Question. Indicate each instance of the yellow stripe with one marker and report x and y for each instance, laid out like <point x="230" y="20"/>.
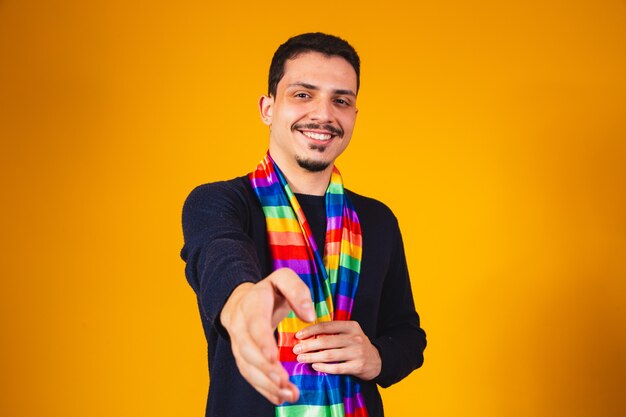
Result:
<point x="283" y="225"/>
<point x="332" y="261"/>
<point x="353" y="250"/>
<point x="293" y="324"/>
<point x="331" y="307"/>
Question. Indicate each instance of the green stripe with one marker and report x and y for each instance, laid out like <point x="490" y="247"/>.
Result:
<point x="321" y="309"/>
<point x="350" y="262"/>
<point x="279" y="212"/>
<point x="335" y="410"/>
<point x="335" y="188"/>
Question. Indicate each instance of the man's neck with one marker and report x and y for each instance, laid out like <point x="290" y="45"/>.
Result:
<point x="306" y="182"/>
<point x="303" y="181"/>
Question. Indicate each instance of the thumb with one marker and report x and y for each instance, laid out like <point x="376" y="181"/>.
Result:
<point x="296" y="293"/>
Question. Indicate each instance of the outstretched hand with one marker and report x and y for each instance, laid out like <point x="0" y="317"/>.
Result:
<point x="340" y="347"/>
<point x="250" y="316"/>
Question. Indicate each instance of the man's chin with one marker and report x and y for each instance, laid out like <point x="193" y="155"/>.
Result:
<point x="312" y="165"/>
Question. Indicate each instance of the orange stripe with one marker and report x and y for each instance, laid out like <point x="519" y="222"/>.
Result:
<point x="286" y="238"/>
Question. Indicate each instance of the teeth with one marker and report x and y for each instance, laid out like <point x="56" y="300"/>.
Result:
<point x="318" y="136"/>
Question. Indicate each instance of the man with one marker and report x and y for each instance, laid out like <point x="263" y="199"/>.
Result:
<point x="288" y="236"/>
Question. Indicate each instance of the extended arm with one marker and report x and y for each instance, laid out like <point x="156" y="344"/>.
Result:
<point x="243" y="307"/>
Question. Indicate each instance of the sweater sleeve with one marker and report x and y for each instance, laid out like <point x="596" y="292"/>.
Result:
<point x="220" y="255"/>
<point x="400" y="339"/>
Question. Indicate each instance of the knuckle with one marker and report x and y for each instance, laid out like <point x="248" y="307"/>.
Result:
<point x="326" y="325"/>
<point x="243" y="371"/>
<point x="341" y="368"/>
<point x="272" y="397"/>
<point x="245" y="351"/>
<point x="359" y="368"/>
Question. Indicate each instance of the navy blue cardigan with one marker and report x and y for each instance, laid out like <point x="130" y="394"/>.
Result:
<point x="226" y="245"/>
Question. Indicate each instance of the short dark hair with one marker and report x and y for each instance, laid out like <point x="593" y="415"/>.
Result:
<point x="323" y="43"/>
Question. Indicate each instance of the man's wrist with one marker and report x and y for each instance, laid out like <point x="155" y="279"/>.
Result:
<point x="231" y="303"/>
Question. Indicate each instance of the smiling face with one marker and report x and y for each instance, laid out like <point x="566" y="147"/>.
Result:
<point x="313" y="114"/>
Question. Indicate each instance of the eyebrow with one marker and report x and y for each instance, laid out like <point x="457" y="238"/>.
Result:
<point x="314" y="87"/>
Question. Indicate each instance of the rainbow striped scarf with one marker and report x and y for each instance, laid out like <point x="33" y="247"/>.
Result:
<point x="333" y="281"/>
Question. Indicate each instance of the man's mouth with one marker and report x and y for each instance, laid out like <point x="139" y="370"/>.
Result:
<point x="317" y="136"/>
<point x="317" y="132"/>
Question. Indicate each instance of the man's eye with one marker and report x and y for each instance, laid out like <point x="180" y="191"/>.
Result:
<point x="342" y="102"/>
<point x="302" y="95"/>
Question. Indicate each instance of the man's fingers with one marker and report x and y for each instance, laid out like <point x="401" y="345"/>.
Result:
<point x="327" y="328"/>
<point x="325" y="356"/>
<point x="249" y="317"/>
<point x="262" y="335"/>
<point x="269" y="384"/>
<point x="267" y="377"/>
<point x="253" y="354"/>
<point x="333" y="368"/>
<point x="295" y="291"/>
<point x="322" y="343"/>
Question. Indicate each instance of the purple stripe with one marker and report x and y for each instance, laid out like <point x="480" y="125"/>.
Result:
<point x="297" y="368"/>
<point x="333" y="223"/>
<point x="312" y="242"/>
<point x="260" y="182"/>
<point x="299" y="266"/>
<point x="352" y="215"/>
<point x="359" y="400"/>
<point x="348" y="405"/>
<point x="343" y="303"/>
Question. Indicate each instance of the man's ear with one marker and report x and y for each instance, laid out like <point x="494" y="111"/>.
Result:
<point x="266" y="104"/>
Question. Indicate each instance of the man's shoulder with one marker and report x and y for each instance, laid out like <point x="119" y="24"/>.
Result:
<point x="370" y="207"/>
<point x="234" y="185"/>
<point x="236" y="188"/>
<point x="222" y="198"/>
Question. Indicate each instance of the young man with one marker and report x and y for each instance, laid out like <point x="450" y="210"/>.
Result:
<point x="287" y="246"/>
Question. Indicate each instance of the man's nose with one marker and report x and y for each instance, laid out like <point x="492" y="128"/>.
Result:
<point x="322" y="111"/>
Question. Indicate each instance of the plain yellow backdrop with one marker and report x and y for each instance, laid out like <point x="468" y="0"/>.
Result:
<point x="496" y="131"/>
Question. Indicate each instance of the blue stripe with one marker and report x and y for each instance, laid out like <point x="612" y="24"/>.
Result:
<point x="313" y="382"/>
<point x="317" y="397"/>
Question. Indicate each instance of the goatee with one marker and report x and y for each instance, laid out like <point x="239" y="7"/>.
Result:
<point x="312" y="166"/>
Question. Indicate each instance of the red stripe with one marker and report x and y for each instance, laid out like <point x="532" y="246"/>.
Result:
<point x="355" y="237"/>
<point x="285" y="354"/>
<point x="341" y="315"/>
<point x="333" y="235"/>
<point x="359" y="412"/>
<point x="290" y="252"/>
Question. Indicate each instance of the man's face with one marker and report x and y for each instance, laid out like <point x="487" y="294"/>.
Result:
<point x="313" y="114"/>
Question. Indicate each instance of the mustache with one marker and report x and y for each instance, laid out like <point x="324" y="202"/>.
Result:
<point x="314" y="126"/>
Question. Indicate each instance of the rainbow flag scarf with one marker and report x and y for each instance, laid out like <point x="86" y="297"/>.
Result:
<point x="333" y="281"/>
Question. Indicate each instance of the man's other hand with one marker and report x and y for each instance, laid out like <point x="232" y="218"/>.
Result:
<point x="340" y="347"/>
<point x="250" y="316"/>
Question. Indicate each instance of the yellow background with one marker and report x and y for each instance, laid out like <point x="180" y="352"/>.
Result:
<point x="495" y="130"/>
